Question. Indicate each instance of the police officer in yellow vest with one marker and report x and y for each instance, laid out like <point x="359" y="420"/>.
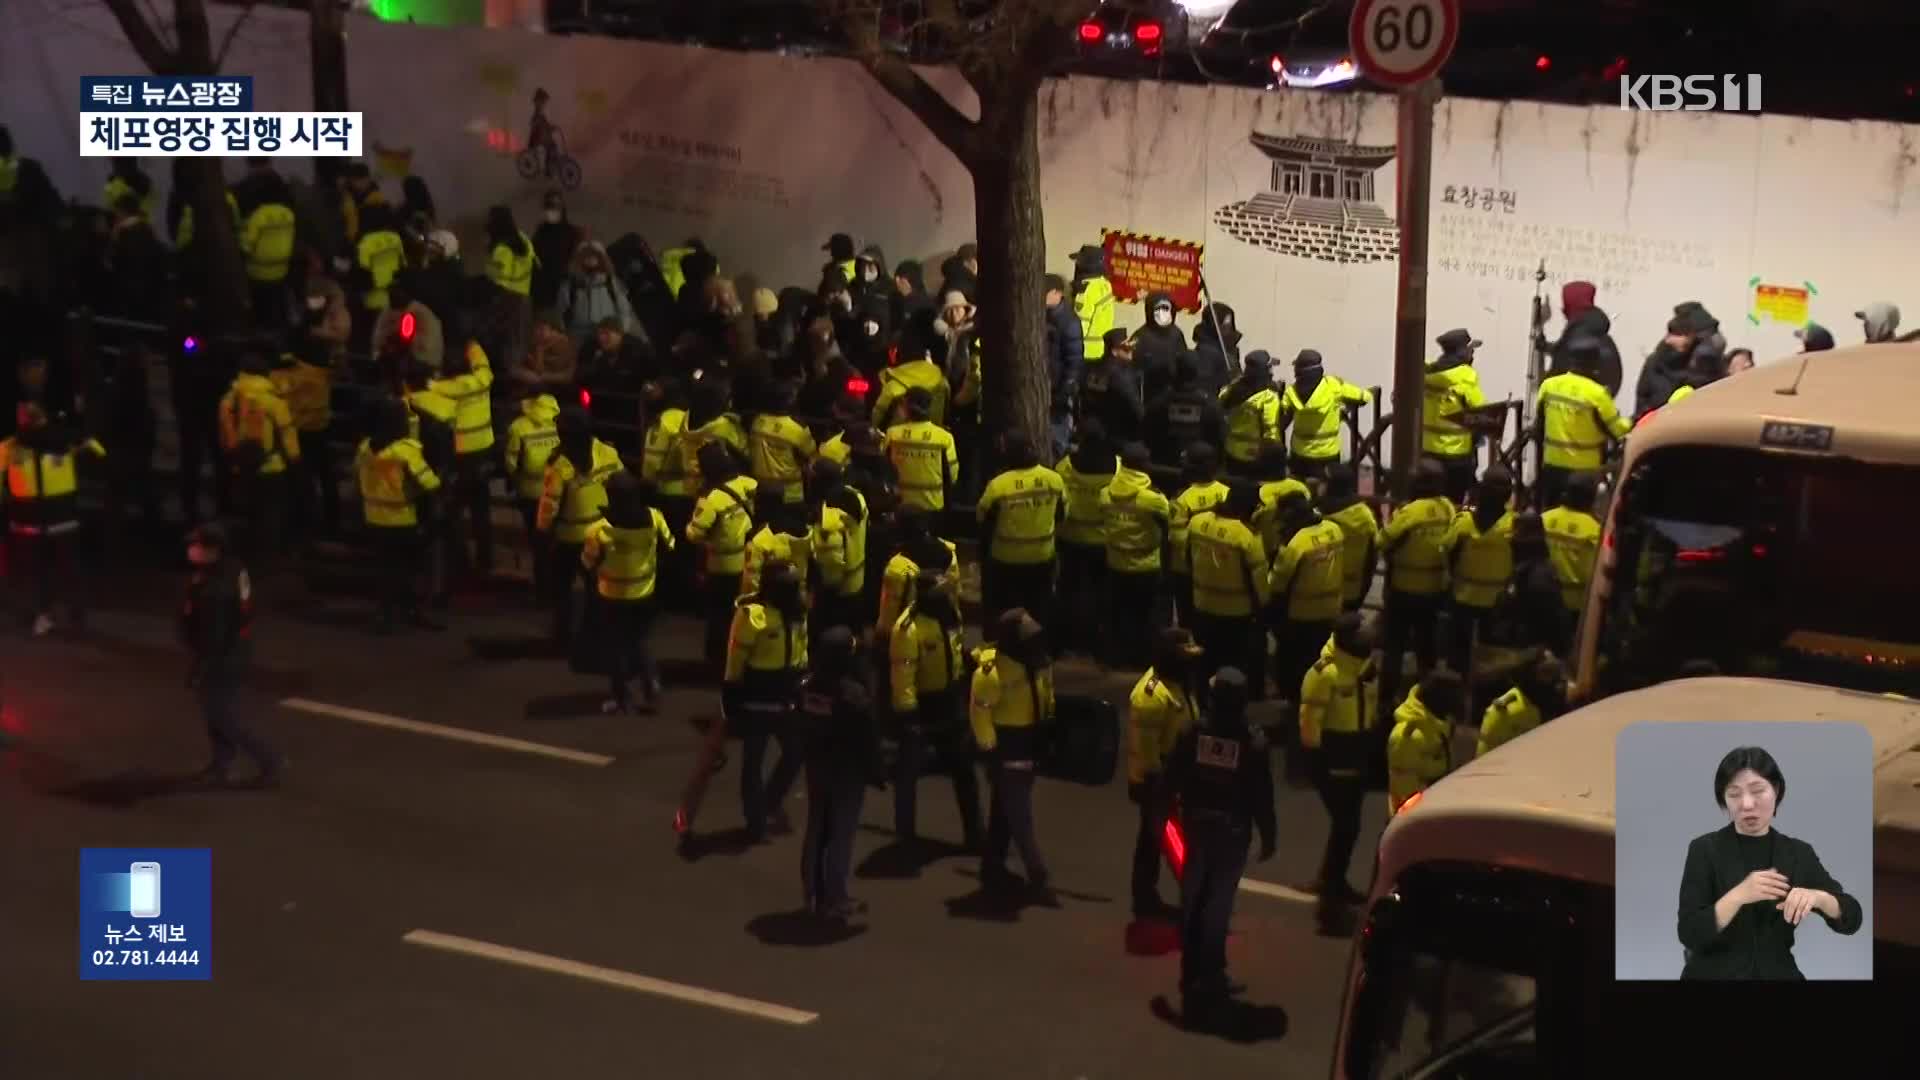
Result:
<point x="919" y="549"/>
<point x="721" y="524"/>
<point x="1019" y="513"/>
<point x="1093" y="301"/>
<point x="1539" y="694"/>
<point x="661" y="465"/>
<point x="1200" y="468"/>
<point x="781" y="533"/>
<point x="1452" y="386"/>
<point x="267" y="236"/>
<point x="573" y="496"/>
<point x="1573" y="538"/>
<point x="1480" y="562"/>
<point x="1315" y="406"/>
<point x="1307" y="580"/>
<point x="1010" y="705"/>
<point x="393" y="478"/>
<point x="1231" y="585"/>
<point x="41" y="504"/>
<point x="1276" y="487"/>
<point x="839" y="526"/>
<point x="915" y="371"/>
<point x="1087" y="471"/>
<point x="531" y="441"/>
<point x="1340" y="503"/>
<point x="261" y="443"/>
<point x="1420" y="747"/>
<point x="1162" y="706"/>
<point x="779" y="447"/>
<point x="304" y="379"/>
<point x="923" y="454"/>
<point x="1137" y="521"/>
<point x="766" y="656"/>
<point x="1338" y="709"/>
<point x="1414" y="547"/>
<point x="1253" y="414"/>
<point x="1573" y="420"/>
<point x="127" y="180"/>
<point x="379" y="253"/>
<point x="468" y="383"/>
<point x="928" y="673"/>
<point x="433" y="417"/>
<point x="624" y="551"/>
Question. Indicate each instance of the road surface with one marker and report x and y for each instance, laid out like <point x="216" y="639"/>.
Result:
<point x="414" y="902"/>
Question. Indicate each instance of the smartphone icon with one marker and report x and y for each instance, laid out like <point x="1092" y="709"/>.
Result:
<point x="145" y="894"/>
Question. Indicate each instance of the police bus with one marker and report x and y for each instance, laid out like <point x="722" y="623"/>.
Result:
<point x="1765" y="524"/>
<point x="1487" y="943"/>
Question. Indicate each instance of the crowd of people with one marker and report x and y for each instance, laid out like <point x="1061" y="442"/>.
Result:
<point x="794" y="467"/>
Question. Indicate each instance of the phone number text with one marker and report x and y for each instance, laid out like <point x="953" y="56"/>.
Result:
<point x="140" y="957"/>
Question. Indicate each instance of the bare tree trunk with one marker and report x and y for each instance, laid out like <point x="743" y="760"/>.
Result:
<point x="327" y="55"/>
<point x="1013" y="254"/>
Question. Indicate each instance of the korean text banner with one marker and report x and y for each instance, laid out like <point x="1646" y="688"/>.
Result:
<point x="146" y="914"/>
<point x="1139" y="266"/>
<point x="161" y="93"/>
<point x="288" y="134"/>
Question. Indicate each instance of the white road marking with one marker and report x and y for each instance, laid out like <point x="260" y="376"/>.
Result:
<point x="1280" y="892"/>
<point x="625" y="980"/>
<point x="477" y="738"/>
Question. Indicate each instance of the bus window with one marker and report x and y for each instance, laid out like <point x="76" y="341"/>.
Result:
<point x="1764" y="564"/>
<point x="1485" y="971"/>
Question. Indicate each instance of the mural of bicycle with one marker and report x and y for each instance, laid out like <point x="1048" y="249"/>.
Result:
<point x="550" y="159"/>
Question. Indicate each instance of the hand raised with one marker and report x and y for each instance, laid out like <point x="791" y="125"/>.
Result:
<point x="1798" y="904"/>
<point x="1762" y="885"/>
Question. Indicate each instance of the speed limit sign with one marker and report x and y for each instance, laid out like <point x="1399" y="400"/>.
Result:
<point x="1403" y="42"/>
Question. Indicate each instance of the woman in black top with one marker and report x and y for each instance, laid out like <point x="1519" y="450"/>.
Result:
<point x="1747" y="887"/>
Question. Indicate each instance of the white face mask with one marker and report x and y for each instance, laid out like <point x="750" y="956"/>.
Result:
<point x="869" y="273"/>
<point x="315" y="303"/>
<point x="553" y="216"/>
<point x="1162" y="317"/>
<point x="873" y="328"/>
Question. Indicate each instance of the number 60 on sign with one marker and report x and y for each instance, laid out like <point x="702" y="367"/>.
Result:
<point x="1403" y="42"/>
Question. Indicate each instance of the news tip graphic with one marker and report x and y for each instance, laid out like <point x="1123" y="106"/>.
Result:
<point x="194" y="116"/>
<point x="146" y="914"/>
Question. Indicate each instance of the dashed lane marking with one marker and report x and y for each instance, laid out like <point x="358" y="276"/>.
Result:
<point x="1279" y="892"/>
<point x="417" y="727"/>
<point x="625" y="980"/>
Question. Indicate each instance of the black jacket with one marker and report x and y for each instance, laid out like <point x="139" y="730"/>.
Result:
<point x="1662" y="374"/>
<point x="1222" y="776"/>
<point x="836" y="722"/>
<point x="216" y="622"/>
<point x="1181" y="417"/>
<point x="1218" y="360"/>
<point x="1591" y="323"/>
<point x="1111" y="393"/>
<point x="1155" y="348"/>
<point x="1758" y="943"/>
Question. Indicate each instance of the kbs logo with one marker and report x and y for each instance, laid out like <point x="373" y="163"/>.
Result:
<point x="1691" y="93"/>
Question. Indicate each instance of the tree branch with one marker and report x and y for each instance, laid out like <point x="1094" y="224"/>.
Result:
<point x="898" y="78"/>
<point x="226" y="43"/>
<point x="144" y="38"/>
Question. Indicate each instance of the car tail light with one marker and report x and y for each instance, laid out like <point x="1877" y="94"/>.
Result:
<point x="1090" y="31"/>
<point x="1278" y="64"/>
<point x="1148" y="33"/>
<point x="1543" y="62"/>
<point x="1699" y="555"/>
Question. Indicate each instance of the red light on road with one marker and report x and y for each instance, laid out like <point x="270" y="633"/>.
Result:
<point x="1090" y="31"/>
<point x="586" y="397"/>
<point x="1542" y="62"/>
<point x="858" y="386"/>
<point x="1278" y="64"/>
<point x="1615" y="69"/>
<point x="1699" y="555"/>
<point x="1147" y="33"/>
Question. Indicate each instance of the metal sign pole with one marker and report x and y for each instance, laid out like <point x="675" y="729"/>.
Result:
<point x="1410" y="325"/>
